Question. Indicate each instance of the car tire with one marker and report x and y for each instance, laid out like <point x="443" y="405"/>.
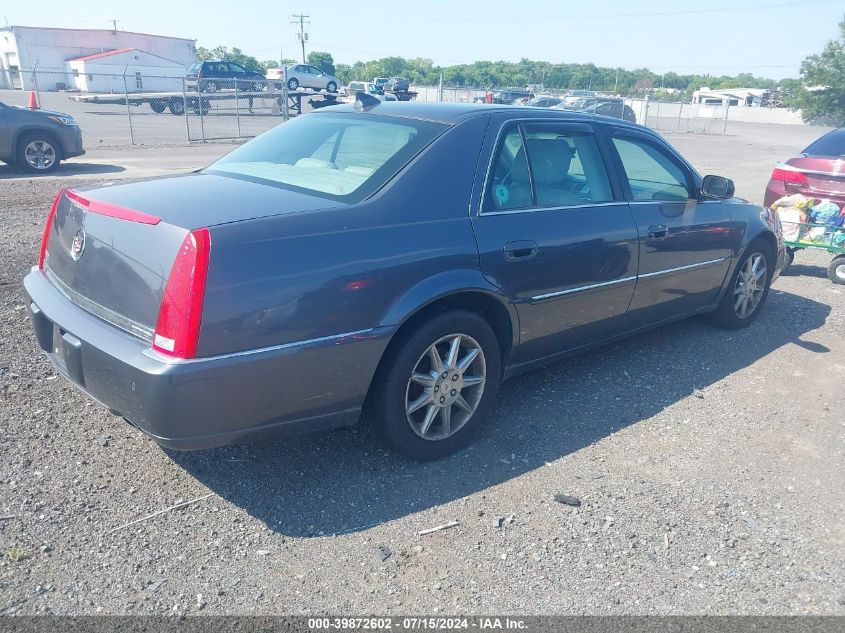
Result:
<point x="743" y="302"/>
<point x="37" y="148"/>
<point x="331" y="87"/>
<point x="836" y="270"/>
<point x="433" y="430"/>
<point x="788" y="258"/>
<point x="202" y="107"/>
<point x="293" y="84"/>
<point x="209" y="86"/>
<point x="176" y="106"/>
<point x="158" y="105"/>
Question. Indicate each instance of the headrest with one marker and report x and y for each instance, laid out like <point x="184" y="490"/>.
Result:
<point x="550" y="159"/>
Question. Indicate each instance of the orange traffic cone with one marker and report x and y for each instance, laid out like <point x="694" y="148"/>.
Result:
<point x="33" y="101"/>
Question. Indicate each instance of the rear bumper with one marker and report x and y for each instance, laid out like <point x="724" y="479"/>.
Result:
<point x="305" y="386"/>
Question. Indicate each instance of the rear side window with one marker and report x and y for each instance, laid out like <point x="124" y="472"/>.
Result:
<point x="344" y="157"/>
<point x="831" y="144"/>
<point x="652" y="174"/>
<point x="545" y="166"/>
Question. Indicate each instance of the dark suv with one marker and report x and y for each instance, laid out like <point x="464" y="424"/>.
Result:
<point x="37" y="140"/>
<point x="214" y="75"/>
<point x="508" y="95"/>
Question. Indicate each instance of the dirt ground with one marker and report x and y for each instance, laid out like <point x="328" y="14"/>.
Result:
<point x="709" y="466"/>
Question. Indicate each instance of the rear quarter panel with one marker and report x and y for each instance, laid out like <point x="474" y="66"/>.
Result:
<point x="321" y="273"/>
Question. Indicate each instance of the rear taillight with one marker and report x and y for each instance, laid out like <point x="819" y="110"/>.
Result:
<point x="792" y="176"/>
<point x="48" y="226"/>
<point x="179" y="317"/>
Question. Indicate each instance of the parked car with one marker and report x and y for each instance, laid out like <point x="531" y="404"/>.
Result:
<point x="37" y="140"/>
<point x="368" y="87"/>
<point x="380" y="81"/>
<point x="214" y="75"/>
<point x="817" y="172"/>
<point x="314" y="276"/>
<point x="396" y="84"/>
<point x="573" y="96"/>
<point x="508" y="95"/>
<point x="615" y="109"/>
<point x="544" y="102"/>
<point x="307" y="76"/>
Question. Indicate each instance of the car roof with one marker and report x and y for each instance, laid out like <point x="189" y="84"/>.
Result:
<point x="452" y="113"/>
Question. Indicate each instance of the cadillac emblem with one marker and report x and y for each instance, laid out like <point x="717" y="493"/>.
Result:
<point x="77" y="246"/>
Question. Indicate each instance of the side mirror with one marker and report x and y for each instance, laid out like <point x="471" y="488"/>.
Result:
<point x="717" y="188"/>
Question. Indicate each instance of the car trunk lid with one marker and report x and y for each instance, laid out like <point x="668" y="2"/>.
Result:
<point x="109" y="262"/>
<point x="825" y="176"/>
<point x="113" y="259"/>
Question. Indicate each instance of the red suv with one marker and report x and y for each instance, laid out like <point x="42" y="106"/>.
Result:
<point x="817" y="172"/>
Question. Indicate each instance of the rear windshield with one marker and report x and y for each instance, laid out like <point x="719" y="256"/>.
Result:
<point x="195" y="67"/>
<point x="831" y="144"/>
<point x="344" y="157"/>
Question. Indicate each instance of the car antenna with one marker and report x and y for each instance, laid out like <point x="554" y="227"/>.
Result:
<point x="365" y="102"/>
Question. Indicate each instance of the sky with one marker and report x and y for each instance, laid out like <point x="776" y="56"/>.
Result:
<point x="768" y="38"/>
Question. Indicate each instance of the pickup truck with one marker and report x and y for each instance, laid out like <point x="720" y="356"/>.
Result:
<point x="365" y="86"/>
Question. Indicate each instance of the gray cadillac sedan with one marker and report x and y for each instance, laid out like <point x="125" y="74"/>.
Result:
<point x="392" y="263"/>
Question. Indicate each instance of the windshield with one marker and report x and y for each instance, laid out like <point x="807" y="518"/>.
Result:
<point x="344" y="157"/>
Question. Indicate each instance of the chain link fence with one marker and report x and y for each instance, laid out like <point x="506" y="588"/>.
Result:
<point x="135" y="108"/>
<point x="161" y="107"/>
<point x="663" y="115"/>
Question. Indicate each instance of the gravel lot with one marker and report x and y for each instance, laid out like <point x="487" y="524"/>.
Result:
<point x="709" y="466"/>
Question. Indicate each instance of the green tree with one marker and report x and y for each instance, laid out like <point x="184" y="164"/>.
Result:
<point x="823" y="75"/>
<point x="323" y="61"/>
<point x="234" y="55"/>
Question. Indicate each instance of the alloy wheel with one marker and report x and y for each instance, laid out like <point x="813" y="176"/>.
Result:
<point x="750" y="285"/>
<point x="40" y="155"/>
<point x="445" y="387"/>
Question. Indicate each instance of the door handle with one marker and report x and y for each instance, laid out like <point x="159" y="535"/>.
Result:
<point x="520" y="250"/>
<point x="658" y="232"/>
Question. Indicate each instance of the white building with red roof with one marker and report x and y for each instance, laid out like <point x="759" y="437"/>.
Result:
<point x="35" y="55"/>
<point x="124" y="69"/>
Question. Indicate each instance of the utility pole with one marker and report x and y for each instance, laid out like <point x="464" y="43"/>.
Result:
<point x="114" y="23"/>
<point x="302" y="36"/>
<point x="616" y="83"/>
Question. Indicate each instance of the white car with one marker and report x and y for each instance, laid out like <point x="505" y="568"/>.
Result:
<point x="368" y="87"/>
<point x="307" y="76"/>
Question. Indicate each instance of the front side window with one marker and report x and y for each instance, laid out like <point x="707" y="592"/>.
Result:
<point x="545" y="166"/>
<point x="238" y="70"/>
<point x="344" y="157"/>
<point x="651" y="173"/>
